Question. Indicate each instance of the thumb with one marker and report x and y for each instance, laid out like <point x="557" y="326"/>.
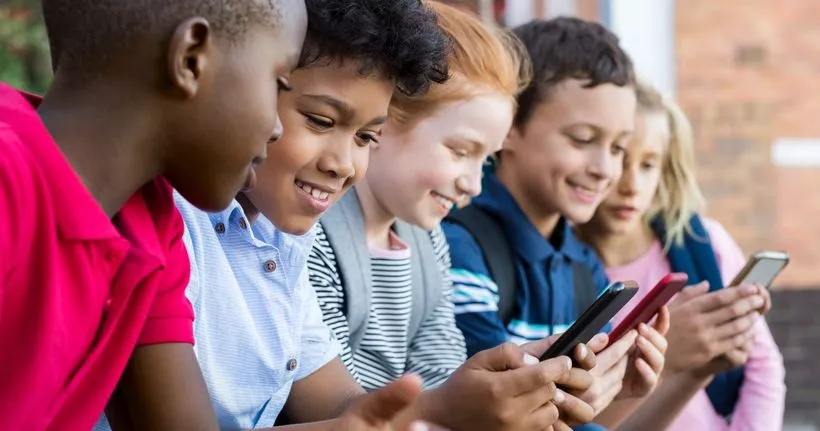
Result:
<point x="507" y="356"/>
<point x="695" y="290"/>
<point x="377" y="408"/>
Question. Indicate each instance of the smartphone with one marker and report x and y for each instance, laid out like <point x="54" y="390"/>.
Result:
<point x="762" y="268"/>
<point x="649" y="305"/>
<point x="594" y="318"/>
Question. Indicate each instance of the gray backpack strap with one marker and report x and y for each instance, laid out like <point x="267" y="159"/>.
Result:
<point x="425" y="274"/>
<point x="344" y="225"/>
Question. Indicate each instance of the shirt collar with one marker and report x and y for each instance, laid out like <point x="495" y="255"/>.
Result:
<point x="524" y="237"/>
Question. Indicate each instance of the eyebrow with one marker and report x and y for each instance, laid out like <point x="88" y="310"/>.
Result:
<point x="344" y="109"/>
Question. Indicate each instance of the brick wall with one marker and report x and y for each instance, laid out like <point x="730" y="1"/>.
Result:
<point x="795" y="324"/>
<point x="747" y="75"/>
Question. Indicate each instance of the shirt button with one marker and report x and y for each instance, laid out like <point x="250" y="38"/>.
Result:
<point x="220" y="228"/>
<point x="270" y="266"/>
<point x="243" y="224"/>
<point x="108" y="303"/>
<point x="292" y="364"/>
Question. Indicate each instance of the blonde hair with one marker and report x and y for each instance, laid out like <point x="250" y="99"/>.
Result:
<point x="678" y="197"/>
<point x="483" y="58"/>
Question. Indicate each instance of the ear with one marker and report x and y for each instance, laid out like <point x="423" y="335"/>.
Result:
<point x="188" y="55"/>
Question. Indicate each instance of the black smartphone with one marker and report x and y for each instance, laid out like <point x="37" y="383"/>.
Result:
<point x="593" y="319"/>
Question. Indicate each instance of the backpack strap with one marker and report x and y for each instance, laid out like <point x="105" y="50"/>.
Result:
<point x="343" y="224"/>
<point x="584" y="286"/>
<point x="497" y="251"/>
<point x="426" y="276"/>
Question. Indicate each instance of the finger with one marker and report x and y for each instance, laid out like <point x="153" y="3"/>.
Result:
<point x="741" y="325"/>
<point x="649" y="375"/>
<point x="651" y="354"/>
<point x="532" y="401"/>
<point x="543" y="417"/>
<point x="535" y="377"/>
<point x="615" y="352"/>
<point x="722" y="298"/>
<point x="576" y="380"/>
<point x="584" y="358"/>
<point x="575" y="411"/>
<point x="561" y="426"/>
<point x="767" y="299"/>
<point x="741" y="307"/>
<point x="662" y="322"/>
<point x="538" y="347"/>
<point x="381" y="406"/>
<point x="743" y="342"/>
<point x="690" y="292"/>
<point x="598" y="343"/>
<point x="654" y="337"/>
<point x="507" y="356"/>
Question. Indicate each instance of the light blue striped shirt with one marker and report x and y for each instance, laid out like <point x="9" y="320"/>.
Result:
<point x="258" y="326"/>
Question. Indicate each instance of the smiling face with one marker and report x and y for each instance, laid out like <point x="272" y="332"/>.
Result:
<point x="330" y="118"/>
<point x="624" y="208"/>
<point x="570" y="152"/>
<point x="418" y="175"/>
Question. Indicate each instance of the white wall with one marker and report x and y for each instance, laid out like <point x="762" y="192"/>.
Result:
<point x="647" y="32"/>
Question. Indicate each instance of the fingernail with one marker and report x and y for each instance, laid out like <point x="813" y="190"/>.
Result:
<point x="419" y="426"/>
<point x="582" y="351"/>
<point x="568" y="361"/>
<point x="559" y="396"/>
<point x="749" y="289"/>
<point x="757" y="301"/>
<point x="530" y="360"/>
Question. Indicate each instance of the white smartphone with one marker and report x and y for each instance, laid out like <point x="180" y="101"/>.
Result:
<point x="762" y="268"/>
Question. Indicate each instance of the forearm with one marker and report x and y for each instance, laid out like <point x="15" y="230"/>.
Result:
<point x="666" y="402"/>
<point x="618" y="412"/>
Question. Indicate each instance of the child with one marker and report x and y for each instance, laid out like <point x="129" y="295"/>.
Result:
<point x="262" y="345"/>
<point x="146" y="96"/>
<point x="649" y="226"/>
<point x="557" y="163"/>
<point x="383" y="283"/>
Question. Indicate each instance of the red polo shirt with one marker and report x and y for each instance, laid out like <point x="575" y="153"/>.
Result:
<point x="77" y="292"/>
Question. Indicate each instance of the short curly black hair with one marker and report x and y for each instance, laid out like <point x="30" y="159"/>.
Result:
<point x="397" y="38"/>
<point x="87" y="33"/>
<point x="564" y="48"/>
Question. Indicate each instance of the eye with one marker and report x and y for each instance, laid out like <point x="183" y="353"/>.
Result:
<point x="580" y="141"/>
<point x="648" y="166"/>
<point x="618" y="149"/>
<point x="283" y="85"/>
<point x="366" y="139"/>
<point x="459" y="152"/>
<point x="317" y="122"/>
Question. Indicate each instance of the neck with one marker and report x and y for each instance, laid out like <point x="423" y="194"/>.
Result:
<point x="377" y="219"/>
<point x="250" y="210"/>
<point x="617" y="249"/>
<point x="106" y="141"/>
<point x="544" y="219"/>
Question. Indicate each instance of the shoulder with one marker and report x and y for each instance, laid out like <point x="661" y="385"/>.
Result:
<point x="464" y="249"/>
<point x="729" y="255"/>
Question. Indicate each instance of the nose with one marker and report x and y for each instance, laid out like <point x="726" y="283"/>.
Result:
<point x="628" y="184"/>
<point x="603" y="165"/>
<point x="278" y="129"/>
<point x="469" y="183"/>
<point x="337" y="159"/>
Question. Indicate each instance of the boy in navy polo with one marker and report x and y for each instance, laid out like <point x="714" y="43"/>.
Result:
<point x="560" y="158"/>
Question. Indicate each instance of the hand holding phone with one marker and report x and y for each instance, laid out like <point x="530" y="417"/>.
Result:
<point x="649" y="305"/>
<point x="593" y="319"/>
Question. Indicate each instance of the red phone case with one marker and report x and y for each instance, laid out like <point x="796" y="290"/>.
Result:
<point x="650" y="304"/>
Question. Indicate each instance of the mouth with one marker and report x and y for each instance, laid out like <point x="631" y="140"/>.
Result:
<point x="587" y="195"/>
<point x="445" y="203"/>
<point x="317" y="196"/>
<point x="624" y="212"/>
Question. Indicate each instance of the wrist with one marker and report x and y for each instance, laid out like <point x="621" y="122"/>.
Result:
<point x="427" y="407"/>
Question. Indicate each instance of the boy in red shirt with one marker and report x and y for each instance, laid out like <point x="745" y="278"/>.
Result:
<point x="147" y="95"/>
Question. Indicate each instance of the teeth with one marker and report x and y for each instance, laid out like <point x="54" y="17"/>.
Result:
<point x="316" y="193"/>
<point x="446" y="203"/>
<point x="323" y="195"/>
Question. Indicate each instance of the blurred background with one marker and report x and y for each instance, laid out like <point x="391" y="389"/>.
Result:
<point x="748" y="75"/>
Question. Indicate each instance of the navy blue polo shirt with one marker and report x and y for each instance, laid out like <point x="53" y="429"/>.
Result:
<point x="545" y="299"/>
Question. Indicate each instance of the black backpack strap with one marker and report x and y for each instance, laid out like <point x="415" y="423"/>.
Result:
<point x="498" y="254"/>
<point x="584" y="286"/>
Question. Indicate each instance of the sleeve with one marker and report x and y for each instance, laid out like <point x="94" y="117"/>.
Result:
<point x="475" y="294"/>
<point x="763" y="392"/>
<point x="326" y="282"/>
<point x="318" y="347"/>
<point x="15" y="203"/>
<point x="438" y="348"/>
<point x="171" y="318"/>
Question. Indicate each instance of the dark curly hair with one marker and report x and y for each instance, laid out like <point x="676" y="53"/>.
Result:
<point x="397" y="38"/>
<point x="564" y="48"/>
